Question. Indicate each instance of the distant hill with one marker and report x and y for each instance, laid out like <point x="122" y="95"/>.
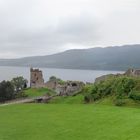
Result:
<point x="110" y="58"/>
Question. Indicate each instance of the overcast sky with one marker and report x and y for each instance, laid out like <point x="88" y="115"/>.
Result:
<point x="41" y="27"/>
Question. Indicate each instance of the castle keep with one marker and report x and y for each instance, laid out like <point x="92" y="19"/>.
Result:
<point x="36" y="78"/>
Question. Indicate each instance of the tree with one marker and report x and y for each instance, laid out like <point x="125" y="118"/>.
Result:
<point x="53" y="78"/>
<point x="6" y="91"/>
<point x="19" y="83"/>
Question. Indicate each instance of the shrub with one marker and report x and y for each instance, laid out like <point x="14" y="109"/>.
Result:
<point x="6" y="91"/>
<point x="118" y="86"/>
<point x="105" y="87"/>
<point x="119" y="102"/>
<point x="123" y="85"/>
<point x="87" y="99"/>
<point x="135" y="95"/>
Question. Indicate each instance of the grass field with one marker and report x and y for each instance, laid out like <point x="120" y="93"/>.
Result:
<point x="79" y="99"/>
<point x="69" y="122"/>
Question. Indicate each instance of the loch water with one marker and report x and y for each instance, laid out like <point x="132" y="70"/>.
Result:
<point x="7" y="73"/>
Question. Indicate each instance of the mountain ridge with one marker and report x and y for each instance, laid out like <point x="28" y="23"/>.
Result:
<point x="109" y="58"/>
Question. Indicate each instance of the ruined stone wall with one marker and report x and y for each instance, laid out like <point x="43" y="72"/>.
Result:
<point x="52" y="84"/>
<point x="133" y="72"/>
<point x="69" y="88"/>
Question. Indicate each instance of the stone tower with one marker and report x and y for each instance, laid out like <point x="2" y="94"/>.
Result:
<point x="36" y="78"/>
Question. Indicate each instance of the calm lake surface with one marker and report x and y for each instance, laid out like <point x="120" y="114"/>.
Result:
<point x="7" y="73"/>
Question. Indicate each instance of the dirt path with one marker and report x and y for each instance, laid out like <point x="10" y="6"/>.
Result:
<point x="18" y="102"/>
<point x="27" y="100"/>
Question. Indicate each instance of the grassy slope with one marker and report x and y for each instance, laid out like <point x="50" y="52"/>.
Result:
<point x="79" y="99"/>
<point x="34" y="92"/>
<point x="69" y="122"/>
<point x="109" y="101"/>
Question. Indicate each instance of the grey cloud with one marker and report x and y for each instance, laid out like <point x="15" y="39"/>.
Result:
<point x="79" y="30"/>
<point x="39" y="27"/>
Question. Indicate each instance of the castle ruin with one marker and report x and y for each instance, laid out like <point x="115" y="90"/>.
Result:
<point x="133" y="72"/>
<point x="36" y="78"/>
<point x="68" y="88"/>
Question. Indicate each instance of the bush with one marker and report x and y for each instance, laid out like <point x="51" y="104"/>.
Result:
<point x="87" y="99"/>
<point x="86" y="91"/>
<point x="135" y="95"/>
<point x="21" y="94"/>
<point x="105" y="87"/>
<point x="119" y="102"/>
<point x="123" y="85"/>
<point x="6" y="91"/>
<point x="118" y="86"/>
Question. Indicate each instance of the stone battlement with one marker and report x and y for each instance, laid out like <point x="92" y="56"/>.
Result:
<point x="35" y="70"/>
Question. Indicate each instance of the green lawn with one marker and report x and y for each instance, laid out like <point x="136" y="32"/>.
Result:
<point x="69" y="122"/>
<point x="79" y="99"/>
<point x="34" y="92"/>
